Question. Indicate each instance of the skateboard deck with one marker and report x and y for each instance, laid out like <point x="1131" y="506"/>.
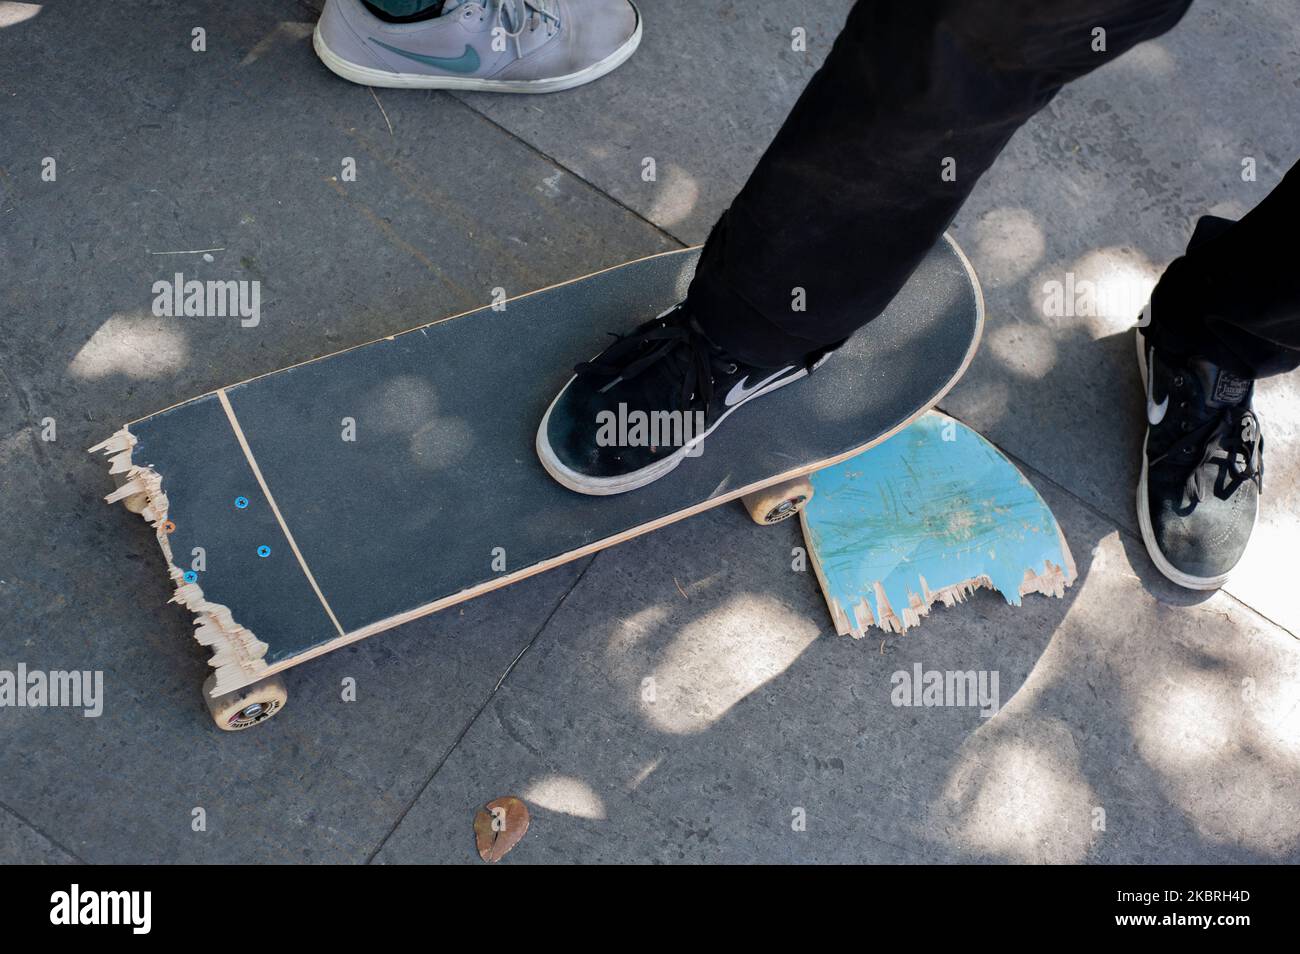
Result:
<point x="311" y="507"/>
<point x="928" y="516"/>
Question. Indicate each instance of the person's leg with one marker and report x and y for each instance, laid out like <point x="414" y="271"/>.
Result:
<point x="854" y="191"/>
<point x="912" y="105"/>
<point x="1234" y="297"/>
<point x="1225" y="313"/>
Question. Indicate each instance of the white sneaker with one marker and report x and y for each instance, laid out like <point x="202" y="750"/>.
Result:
<point x="510" y="46"/>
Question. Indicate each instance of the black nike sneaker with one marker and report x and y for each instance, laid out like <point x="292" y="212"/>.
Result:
<point x="640" y="407"/>
<point x="1202" y="468"/>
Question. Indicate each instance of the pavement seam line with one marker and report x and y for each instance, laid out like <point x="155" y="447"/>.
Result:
<point x="4" y="806"/>
<point x="470" y="722"/>
<point x="547" y="157"/>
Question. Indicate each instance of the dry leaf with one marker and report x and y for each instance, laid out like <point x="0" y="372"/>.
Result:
<point x="499" y="826"/>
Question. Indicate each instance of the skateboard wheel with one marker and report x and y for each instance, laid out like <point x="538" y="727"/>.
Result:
<point x="245" y="708"/>
<point x="778" y="502"/>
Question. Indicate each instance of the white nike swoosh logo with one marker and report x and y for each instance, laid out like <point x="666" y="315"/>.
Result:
<point x="1155" y="412"/>
<point x="741" y="393"/>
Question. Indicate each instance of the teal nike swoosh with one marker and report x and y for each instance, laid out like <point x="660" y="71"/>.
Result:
<point x="467" y="62"/>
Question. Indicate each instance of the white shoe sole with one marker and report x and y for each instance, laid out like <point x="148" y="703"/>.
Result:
<point x="607" y="486"/>
<point x="1166" y="568"/>
<point x="368" y="76"/>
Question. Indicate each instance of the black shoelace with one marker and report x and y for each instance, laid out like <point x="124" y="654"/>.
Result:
<point x="632" y="355"/>
<point x="1233" y="436"/>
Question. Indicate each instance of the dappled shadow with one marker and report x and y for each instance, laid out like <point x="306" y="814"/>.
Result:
<point x="687" y="700"/>
<point x="703" y="722"/>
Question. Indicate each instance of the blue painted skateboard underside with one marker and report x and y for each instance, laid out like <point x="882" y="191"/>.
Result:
<point x="933" y="506"/>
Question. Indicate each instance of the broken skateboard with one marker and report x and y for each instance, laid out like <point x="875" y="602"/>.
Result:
<point x="309" y="508"/>
<point x="928" y="516"/>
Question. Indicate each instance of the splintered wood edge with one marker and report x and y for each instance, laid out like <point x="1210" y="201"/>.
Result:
<point x="855" y="620"/>
<point x="238" y="657"/>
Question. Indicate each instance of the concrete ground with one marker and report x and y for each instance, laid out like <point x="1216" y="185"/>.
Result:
<point x="1140" y="723"/>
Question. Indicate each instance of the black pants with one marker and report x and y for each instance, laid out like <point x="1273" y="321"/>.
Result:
<point x="913" y="104"/>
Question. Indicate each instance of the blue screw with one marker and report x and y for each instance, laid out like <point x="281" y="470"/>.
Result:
<point x="190" y="576"/>
<point x="241" y="503"/>
<point x="264" y="551"/>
